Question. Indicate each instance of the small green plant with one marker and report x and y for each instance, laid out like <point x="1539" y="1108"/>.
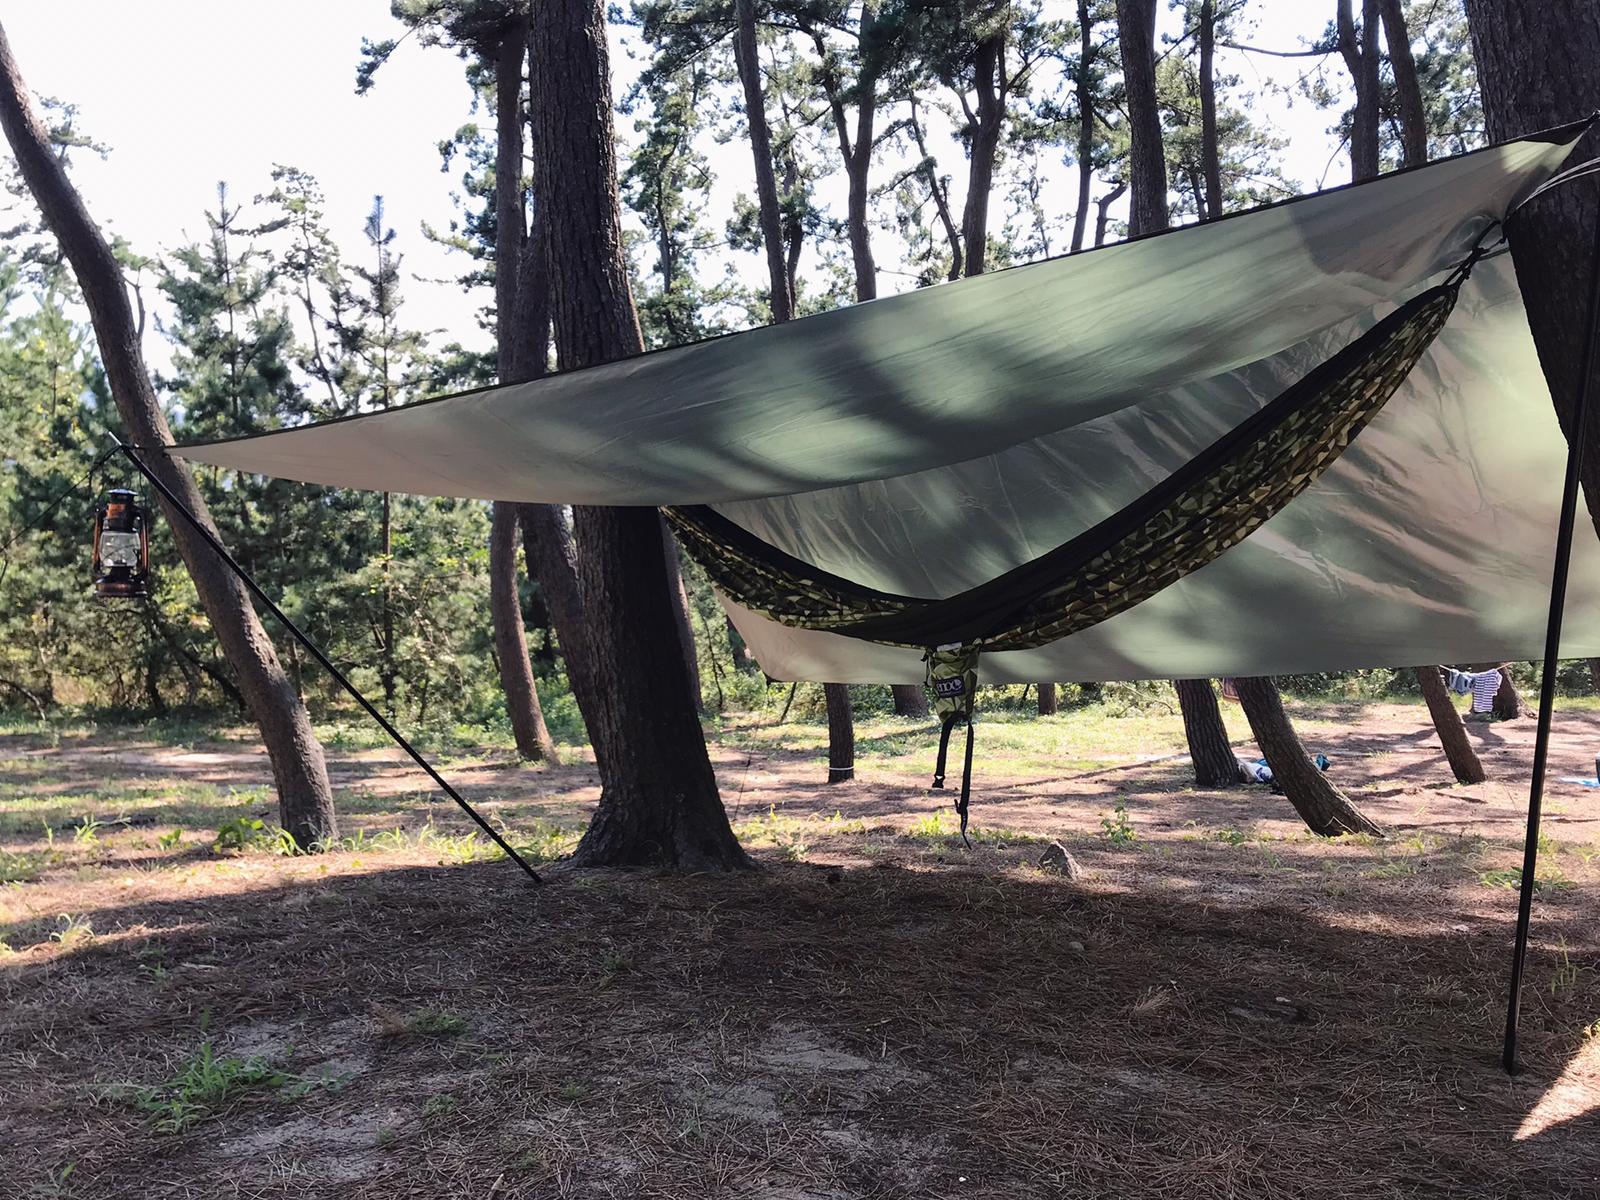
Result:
<point x="1230" y="836"/>
<point x="241" y="834"/>
<point x="74" y="931"/>
<point x="1566" y="975"/>
<point x="441" y="1104"/>
<point x="27" y="865"/>
<point x="1116" y="828"/>
<point x="170" y="839"/>
<point x="205" y="1083"/>
<point x="87" y="831"/>
<point x="931" y="827"/>
<point x="433" y="1022"/>
<point x="573" y="1091"/>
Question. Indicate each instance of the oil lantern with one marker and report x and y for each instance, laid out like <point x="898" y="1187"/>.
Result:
<point x="121" y="546"/>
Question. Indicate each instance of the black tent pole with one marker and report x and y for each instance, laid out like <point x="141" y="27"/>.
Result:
<point x="304" y="639"/>
<point x="1576" y="433"/>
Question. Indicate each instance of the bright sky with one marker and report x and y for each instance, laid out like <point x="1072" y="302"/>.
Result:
<point x="190" y="92"/>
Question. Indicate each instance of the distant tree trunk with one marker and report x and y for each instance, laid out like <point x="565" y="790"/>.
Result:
<point x="658" y="801"/>
<point x="1136" y="28"/>
<point x="523" y="709"/>
<point x="1210" y="150"/>
<point x="746" y="54"/>
<point x="1083" y="83"/>
<point x="841" y="733"/>
<point x="528" y="728"/>
<point x="909" y="700"/>
<point x="856" y="152"/>
<point x="679" y="596"/>
<point x="1323" y="807"/>
<point x="1452" y="731"/>
<point x="1539" y="66"/>
<point x="1360" y="52"/>
<point x="1508" y="706"/>
<point x="989" y="81"/>
<point x="1594" y="675"/>
<point x="1408" y="91"/>
<point x="1103" y="216"/>
<point x="305" y="801"/>
<point x="1049" y="700"/>
<point x="1209" y="750"/>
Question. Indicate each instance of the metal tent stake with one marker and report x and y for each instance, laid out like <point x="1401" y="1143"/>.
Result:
<point x="1552" y="648"/>
<point x="304" y="639"/>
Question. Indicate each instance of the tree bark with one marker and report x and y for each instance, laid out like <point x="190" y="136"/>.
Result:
<point x="1136" y="28"/>
<point x="989" y="84"/>
<point x="1209" y="750"/>
<point x="1210" y="148"/>
<point x="1408" y="91"/>
<point x="1049" y="700"/>
<point x="1360" y="51"/>
<point x="1452" y="730"/>
<point x="1539" y="66"/>
<point x="841" y="733"/>
<point x="746" y="54"/>
<point x="1323" y="807"/>
<point x="658" y="803"/>
<point x="1083" y="84"/>
<point x="305" y="800"/>
<point x="909" y="700"/>
<point x="856" y="153"/>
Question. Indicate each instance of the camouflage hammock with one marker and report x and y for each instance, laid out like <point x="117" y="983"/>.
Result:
<point x="1207" y="506"/>
<point x="1204" y="508"/>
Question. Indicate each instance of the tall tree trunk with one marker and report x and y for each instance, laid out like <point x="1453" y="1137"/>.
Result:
<point x="1408" y="91"/>
<point x="523" y="709"/>
<point x="841" y="733"/>
<point x="1360" y="51"/>
<point x="1209" y="749"/>
<point x="1452" y="730"/>
<point x="856" y="153"/>
<point x="1136" y="28"/>
<point x="679" y="597"/>
<point x="990" y="85"/>
<point x="305" y="801"/>
<point x="1049" y="700"/>
<point x="1210" y="149"/>
<point x="658" y="801"/>
<point x="746" y="54"/>
<point x="1323" y="807"/>
<point x="1083" y="84"/>
<point x="909" y="700"/>
<point x="1539" y="66"/>
<point x="386" y="668"/>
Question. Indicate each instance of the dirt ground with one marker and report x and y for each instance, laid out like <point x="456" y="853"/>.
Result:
<point x="1217" y="1005"/>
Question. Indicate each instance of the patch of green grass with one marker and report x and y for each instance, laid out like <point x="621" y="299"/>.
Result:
<point x="73" y="931"/>
<point x="25" y="866"/>
<point x="205" y="1083"/>
<point x="1549" y="880"/>
<point x="436" y="1022"/>
<point x="1230" y="836"/>
<point x="441" y="1104"/>
<point x="170" y="839"/>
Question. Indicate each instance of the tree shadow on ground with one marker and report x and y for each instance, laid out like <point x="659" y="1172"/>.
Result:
<point x="971" y="1030"/>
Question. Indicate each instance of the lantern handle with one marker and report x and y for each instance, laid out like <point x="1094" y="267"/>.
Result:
<point x="316" y="651"/>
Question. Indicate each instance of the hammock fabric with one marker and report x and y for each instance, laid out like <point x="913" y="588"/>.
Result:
<point x="1201" y="510"/>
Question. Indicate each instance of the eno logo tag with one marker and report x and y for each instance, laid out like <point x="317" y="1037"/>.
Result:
<point x="954" y="686"/>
